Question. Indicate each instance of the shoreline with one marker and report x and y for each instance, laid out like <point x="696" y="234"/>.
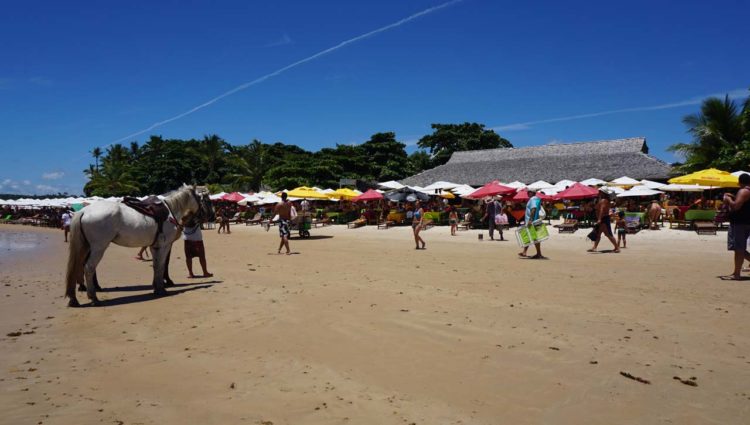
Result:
<point x="361" y="328"/>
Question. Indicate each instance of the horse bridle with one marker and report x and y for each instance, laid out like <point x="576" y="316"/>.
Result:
<point x="201" y="214"/>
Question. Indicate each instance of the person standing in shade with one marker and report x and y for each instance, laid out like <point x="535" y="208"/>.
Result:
<point x="66" y="218"/>
<point x="284" y="210"/>
<point x="532" y="214"/>
<point x="193" y="238"/>
<point x="494" y="207"/>
<point x="739" y="225"/>
<point x="604" y="222"/>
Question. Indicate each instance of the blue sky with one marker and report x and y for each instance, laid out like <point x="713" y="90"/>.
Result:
<point x="75" y="75"/>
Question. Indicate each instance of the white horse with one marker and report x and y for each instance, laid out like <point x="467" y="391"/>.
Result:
<point x="96" y="226"/>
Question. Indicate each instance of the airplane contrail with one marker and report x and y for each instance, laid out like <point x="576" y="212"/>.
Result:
<point x="290" y="66"/>
<point x="737" y="93"/>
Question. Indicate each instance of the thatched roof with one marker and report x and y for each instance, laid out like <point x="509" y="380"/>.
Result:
<point x="604" y="159"/>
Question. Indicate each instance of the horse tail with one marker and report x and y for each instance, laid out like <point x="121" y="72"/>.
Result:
<point x="78" y="248"/>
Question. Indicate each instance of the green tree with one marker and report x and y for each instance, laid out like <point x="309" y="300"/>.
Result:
<point x="386" y="157"/>
<point x="211" y="151"/>
<point x="449" y="138"/>
<point x="248" y="164"/>
<point x="115" y="177"/>
<point x="721" y="136"/>
<point x="96" y="153"/>
<point x="419" y="161"/>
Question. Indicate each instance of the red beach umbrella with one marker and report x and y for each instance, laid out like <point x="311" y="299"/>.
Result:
<point x="233" y="197"/>
<point x="578" y="191"/>
<point x="492" y="188"/>
<point x="370" y="195"/>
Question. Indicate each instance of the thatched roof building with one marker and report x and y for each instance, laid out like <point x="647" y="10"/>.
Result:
<point x="604" y="159"/>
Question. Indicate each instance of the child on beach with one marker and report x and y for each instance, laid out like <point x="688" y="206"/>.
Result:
<point x="453" y="220"/>
<point x="621" y="229"/>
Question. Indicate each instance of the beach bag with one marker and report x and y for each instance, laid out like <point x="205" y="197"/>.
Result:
<point x="536" y="232"/>
<point x="592" y="234"/>
<point x="501" y="219"/>
<point x="293" y="213"/>
<point x="542" y="213"/>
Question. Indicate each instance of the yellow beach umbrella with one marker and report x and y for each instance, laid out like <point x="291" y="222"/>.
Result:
<point x="708" y="177"/>
<point x="447" y="195"/>
<point x="306" y="192"/>
<point x="344" y="193"/>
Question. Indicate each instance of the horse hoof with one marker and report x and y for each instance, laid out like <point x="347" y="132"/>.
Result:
<point x="98" y="288"/>
<point x="81" y="288"/>
<point x="168" y="284"/>
<point x="73" y="303"/>
<point x="96" y="302"/>
<point x="161" y="293"/>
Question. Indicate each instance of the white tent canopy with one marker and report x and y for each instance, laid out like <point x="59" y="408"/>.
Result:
<point x="391" y="184"/>
<point x="684" y="188"/>
<point x="625" y="181"/>
<point x="612" y="189"/>
<point x="593" y="182"/>
<point x="639" y="191"/>
<point x="216" y="196"/>
<point x="462" y="190"/>
<point x="738" y="173"/>
<point x="539" y="184"/>
<point x="515" y="185"/>
<point x="440" y="185"/>
<point x="652" y="184"/>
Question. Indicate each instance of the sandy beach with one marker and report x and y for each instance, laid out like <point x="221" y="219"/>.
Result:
<point x="359" y="328"/>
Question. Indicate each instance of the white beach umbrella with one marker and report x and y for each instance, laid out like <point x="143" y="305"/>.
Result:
<point x="216" y="196"/>
<point x="612" y="189"/>
<point x="418" y="189"/>
<point x="564" y="183"/>
<point x="593" y="182"/>
<point x="625" y="181"/>
<point x="739" y="173"/>
<point x="462" y="190"/>
<point x="391" y="184"/>
<point x="539" y="184"/>
<point x="516" y="185"/>
<point x="440" y="185"/>
<point x="639" y="191"/>
<point x="652" y="184"/>
<point x="684" y="188"/>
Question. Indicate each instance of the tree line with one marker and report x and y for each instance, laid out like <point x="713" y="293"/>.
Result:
<point x="160" y="165"/>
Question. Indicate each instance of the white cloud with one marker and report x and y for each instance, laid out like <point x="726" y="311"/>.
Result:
<point x="53" y="175"/>
<point x="736" y="93"/>
<point x="7" y="182"/>
<point x="27" y="183"/>
<point x="283" y="41"/>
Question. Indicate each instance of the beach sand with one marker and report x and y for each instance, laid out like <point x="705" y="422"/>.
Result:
<point x="361" y="328"/>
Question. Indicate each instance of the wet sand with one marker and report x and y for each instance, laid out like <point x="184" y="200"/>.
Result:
<point x="360" y="328"/>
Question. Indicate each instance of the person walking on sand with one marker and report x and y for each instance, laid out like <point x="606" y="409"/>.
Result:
<point x="284" y="210"/>
<point x="417" y="223"/>
<point x="453" y="220"/>
<point x="493" y="209"/>
<point x="621" y="227"/>
<point x="141" y="253"/>
<point x="603" y="222"/>
<point x="739" y="225"/>
<point x="193" y="238"/>
<point x="66" y="218"/>
<point x="532" y="214"/>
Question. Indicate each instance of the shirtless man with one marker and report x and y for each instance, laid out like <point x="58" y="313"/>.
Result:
<point x="284" y="210"/>
<point x="603" y="222"/>
<point x="739" y="225"/>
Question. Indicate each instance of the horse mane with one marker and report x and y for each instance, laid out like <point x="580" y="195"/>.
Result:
<point x="179" y="200"/>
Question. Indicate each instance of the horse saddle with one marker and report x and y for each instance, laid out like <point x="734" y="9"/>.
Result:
<point x="152" y="207"/>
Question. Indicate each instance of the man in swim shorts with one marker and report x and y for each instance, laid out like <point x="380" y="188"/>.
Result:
<point x="284" y="210"/>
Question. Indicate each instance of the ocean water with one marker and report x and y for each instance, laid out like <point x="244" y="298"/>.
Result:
<point x="14" y="242"/>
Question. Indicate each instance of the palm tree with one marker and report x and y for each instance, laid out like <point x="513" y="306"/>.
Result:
<point x="210" y="151"/>
<point x="720" y="136"/>
<point x="97" y="153"/>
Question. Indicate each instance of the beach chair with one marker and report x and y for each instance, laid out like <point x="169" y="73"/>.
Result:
<point x="386" y="224"/>
<point x="356" y="223"/>
<point x="674" y="219"/>
<point x="702" y="221"/>
<point x="255" y="220"/>
<point x="570" y="225"/>
<point x="319" y="222"/>
<point x="236" y="218"/>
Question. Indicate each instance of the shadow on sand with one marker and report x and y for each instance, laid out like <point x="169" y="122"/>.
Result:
<point x="134" y="288"/>
<point x="149" y="296"/>
<point x="311" y="237"/>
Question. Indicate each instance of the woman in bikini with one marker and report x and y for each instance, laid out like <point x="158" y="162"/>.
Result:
<point x="416" y="224"/>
